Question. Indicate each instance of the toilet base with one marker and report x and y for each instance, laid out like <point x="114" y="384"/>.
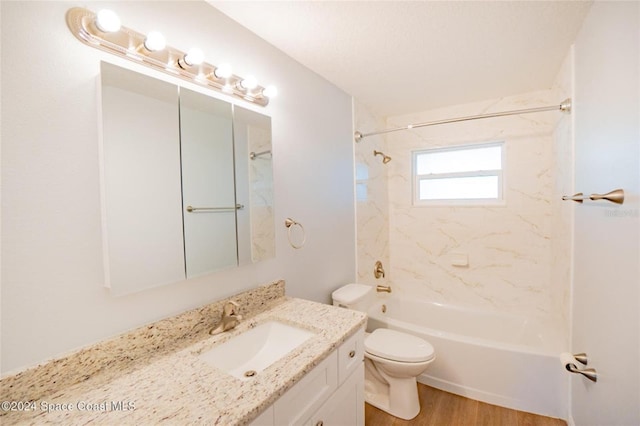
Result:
<point x="398" y="397"/>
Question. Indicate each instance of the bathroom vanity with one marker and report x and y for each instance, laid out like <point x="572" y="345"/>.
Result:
<point x="330" y="394"/>
<point x="157" y="372"/>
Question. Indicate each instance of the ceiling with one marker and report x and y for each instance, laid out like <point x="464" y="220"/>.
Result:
<point x="399" y="57"/>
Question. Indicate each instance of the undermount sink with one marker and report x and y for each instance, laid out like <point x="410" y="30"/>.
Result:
<point x="249" y="353"/>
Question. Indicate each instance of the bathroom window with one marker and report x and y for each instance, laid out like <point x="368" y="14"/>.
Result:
<point x="461" y="175"/>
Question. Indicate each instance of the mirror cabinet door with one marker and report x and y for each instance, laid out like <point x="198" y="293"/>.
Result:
<point x="254" y="185"/>
<point x="208" y="183"/>
<point x="141" y="181"/>
<point x="187" y="182"/>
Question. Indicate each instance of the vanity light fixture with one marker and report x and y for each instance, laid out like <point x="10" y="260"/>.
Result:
<point x="105" y="32"/>
<point x="193" y="57"/>
<point x="154" y="42"/>
<point x="107" y="21"/>
<point x="223" y="71"/>
<point x="270" y="91"/>
<point x="249" y="83"/>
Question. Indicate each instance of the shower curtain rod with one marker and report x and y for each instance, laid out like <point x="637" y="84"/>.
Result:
<point x="565" y="106"/>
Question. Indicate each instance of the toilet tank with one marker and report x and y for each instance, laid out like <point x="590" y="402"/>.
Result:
<point x="353" y="296"/>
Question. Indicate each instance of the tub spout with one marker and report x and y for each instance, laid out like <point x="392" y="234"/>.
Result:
<point x="383" y="288"/>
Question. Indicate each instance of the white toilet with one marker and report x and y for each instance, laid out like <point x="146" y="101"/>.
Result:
<point x="393" y="359"/>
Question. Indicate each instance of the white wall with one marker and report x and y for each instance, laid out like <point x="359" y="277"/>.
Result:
<point x="562" y="211"/>
<point x="606" y="289"/>
<point x="52" y="274"/>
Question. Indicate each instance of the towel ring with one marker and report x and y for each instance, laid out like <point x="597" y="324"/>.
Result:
<point x="290" y="223"/>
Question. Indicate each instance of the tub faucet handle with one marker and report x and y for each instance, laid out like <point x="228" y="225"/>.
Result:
<point x="378" y="271"/>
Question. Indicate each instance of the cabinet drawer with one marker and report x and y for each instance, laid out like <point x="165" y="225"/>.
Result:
<point x="306" y="396"/>
<point x="350" y="355"/>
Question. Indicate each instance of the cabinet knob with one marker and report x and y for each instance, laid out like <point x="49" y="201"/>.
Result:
<point x="320" y="423"/>
<point x="352" y="354"/>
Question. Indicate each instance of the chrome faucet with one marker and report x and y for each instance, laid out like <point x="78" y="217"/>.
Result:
<point x="230" y="318"/>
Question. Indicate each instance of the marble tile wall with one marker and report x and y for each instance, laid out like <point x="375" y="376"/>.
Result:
<point x="372" y="205"/>
<point x="510" y="248"/>
<point x="261" y="182"/>
<point x="520" y="254"/>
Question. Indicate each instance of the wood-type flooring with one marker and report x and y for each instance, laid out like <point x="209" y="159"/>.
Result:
<point x="439" y="408"/>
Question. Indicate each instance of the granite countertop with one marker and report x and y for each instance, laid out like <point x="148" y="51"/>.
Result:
<point x="180" y="388"/>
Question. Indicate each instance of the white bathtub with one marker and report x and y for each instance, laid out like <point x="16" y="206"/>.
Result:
<point x="492" y="357"/>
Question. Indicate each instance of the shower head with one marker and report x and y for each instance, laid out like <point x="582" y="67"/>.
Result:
<point x="385" y="158"/>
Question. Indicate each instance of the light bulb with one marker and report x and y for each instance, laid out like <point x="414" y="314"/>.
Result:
<point x="194" y="57"/>
<point x="270" y="91"/>
<point x="223" y="71"/>
<point x="107" y="21"/>
<point x="249" y="83"/>
<point x="154" y="41"/>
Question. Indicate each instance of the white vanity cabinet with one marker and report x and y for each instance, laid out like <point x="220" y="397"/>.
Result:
<point x="346" y="406"/>
<point x="330" y="394"/>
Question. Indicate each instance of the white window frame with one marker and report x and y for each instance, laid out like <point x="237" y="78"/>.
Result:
<point x="499" y="201"/>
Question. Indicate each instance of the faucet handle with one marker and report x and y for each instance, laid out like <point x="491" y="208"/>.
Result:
<point x="230" y="317"/>
<point x="230" y="308"/>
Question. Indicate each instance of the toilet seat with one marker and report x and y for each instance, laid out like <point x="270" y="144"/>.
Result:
<point x="397" y="346"/>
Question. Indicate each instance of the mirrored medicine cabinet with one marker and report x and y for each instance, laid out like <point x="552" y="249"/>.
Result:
<point x="187" y="182"/>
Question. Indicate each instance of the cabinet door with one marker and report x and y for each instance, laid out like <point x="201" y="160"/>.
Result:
<point x="346" y="405"/>
<point x="206" y="141"/>
<point x="140" y="181"/>
<point x="350" y="356"/>
<point x="308" y="394"/>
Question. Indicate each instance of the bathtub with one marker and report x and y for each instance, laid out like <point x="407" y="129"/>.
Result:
<point x="496" y="358"/>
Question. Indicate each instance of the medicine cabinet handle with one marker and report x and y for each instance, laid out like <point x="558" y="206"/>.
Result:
<point x="191" y="209"/>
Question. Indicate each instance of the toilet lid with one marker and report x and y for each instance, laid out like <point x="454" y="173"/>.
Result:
<point x="398" y="346"/>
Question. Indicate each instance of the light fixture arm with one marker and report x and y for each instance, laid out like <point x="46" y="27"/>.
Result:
<point x="125" y="44"/>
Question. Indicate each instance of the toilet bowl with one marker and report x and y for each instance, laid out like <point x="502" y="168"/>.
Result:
<point x="393" y="359"/>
